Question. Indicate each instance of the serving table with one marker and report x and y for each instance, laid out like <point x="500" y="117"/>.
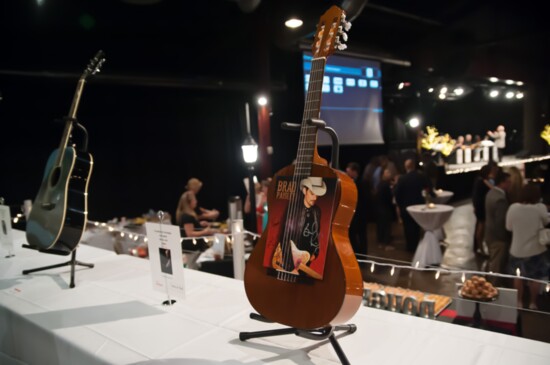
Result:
<point x="114" y="316"/>
<point x="442" y="196"/>
<point x="431" y="219"/>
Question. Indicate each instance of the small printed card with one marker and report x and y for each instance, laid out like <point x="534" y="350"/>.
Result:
<point x="166" y="259"/>
<point x="6" y="238"/>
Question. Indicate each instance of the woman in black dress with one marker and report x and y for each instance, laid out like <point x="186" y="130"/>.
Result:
<point x="482" y="185"/>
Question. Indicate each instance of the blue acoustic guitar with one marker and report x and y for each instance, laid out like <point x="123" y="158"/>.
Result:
<point x="59" y="213"/>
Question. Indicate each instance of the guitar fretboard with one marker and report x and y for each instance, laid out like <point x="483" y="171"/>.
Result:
<point x="308" y="133"/>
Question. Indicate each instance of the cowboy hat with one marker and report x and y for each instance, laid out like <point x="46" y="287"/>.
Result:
<point x="315" y="184"/>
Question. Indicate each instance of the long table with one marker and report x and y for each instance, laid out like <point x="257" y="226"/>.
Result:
<point x="113" y="316"/>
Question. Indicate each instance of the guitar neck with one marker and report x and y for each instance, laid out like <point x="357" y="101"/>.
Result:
<point x="307" y="145"/>
<point x="69" y="123"/>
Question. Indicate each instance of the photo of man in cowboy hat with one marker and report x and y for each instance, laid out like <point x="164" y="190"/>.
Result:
<point x="308" y="239"/>
<point x="299" y="224"/>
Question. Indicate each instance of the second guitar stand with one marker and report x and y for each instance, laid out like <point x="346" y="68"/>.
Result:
<point x="72" y="262"/>
<point x="317" y="334"/>
<point x="322" y="126"/>
<point x="83" y="130"/>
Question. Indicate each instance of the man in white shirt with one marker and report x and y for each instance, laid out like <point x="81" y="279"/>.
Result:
<point x="500" y="140"/>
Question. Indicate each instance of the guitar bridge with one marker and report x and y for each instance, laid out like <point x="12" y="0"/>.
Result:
<point x="289" y="277"/>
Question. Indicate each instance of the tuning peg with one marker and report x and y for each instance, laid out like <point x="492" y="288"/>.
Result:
<point x="347" y="26"/>
<point x="344" y="36"/>
<point x="341" y="46"/>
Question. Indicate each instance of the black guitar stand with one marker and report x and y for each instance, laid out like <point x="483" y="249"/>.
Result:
<point x="321" y="125"/>
<point x="318" y="334"/>
<point x="72" y="262"/>
<point x="74" y="121"/>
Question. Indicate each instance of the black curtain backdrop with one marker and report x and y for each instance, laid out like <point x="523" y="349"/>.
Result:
<point x="146" y="143"/>
<point x="148" y="140"/>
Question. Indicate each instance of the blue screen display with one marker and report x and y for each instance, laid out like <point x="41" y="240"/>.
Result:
<point x="352" y="98"/>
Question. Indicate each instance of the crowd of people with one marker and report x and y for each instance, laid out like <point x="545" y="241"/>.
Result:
<point x="508" y="213"/>
<point x="385" y="191"/>
<point x="475" y="143"/>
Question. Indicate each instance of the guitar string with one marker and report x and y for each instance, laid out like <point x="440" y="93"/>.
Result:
<point x="292" y="207"/>
<point x="303" y="165"/>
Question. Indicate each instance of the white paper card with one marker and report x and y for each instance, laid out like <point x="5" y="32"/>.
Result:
<point x="6" y="238"/>
<point x="166" y="259"/>
<point x="219" y="244"/>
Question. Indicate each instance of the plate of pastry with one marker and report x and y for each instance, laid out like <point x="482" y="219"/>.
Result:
<point x="478" y="288"/>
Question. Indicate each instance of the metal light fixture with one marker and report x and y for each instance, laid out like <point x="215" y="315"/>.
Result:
<point x="250" y="156"/>
<point x="250" y="150"/>
<point x="249" y="146"/>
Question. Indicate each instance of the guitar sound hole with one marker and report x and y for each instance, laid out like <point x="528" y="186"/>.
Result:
<point x="54" y="177"/>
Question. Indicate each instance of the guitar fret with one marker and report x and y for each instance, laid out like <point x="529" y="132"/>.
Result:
<point x="308" y="133"/>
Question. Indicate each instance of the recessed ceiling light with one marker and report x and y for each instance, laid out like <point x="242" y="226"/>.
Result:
<point x="519" y="83"/>
<point x="294" y="23"/>
<point x="510" y="82"/>
<point x="493" y="93"/>
<point x="509" y="95"/>
<point x="459" y="91"/>
<point x="519" y="96"/>
<point x="493" y="79"/>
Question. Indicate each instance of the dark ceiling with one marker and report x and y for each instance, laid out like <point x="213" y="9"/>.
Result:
<point x="235" y="40"/>
<point x="235" y="47"/>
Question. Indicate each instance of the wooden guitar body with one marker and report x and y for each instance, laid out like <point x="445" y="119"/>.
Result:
<point x="59" y="212"/>
<point x="323" y="287"/>
<point x="315" y="303"/>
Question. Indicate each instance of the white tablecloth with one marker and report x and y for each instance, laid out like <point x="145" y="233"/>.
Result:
<point x="428" y="251"/>
<point x="442" y="196"/>
<point x="113" y="316"/>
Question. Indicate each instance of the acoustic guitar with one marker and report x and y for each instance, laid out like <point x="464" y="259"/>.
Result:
<point x="59" y="213"/>
<point x="303" y="272"/>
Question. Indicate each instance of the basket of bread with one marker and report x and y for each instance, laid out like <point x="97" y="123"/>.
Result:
<point x="478" y="288"/>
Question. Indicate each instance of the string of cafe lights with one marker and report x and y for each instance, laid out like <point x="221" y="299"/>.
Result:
<point x="393" y="266"/>
<point x="439" y="270"/>
<point x="143" y="237"/>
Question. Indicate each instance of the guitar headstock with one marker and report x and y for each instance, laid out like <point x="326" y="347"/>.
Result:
<point x="94" y="66"/>
<point x="331" y="32"/>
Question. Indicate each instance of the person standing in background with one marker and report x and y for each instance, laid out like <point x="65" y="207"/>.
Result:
<point x="496" y="235"/>
<point x="499" y="136"/>
<point x="482" y="185"/>
<point x="385" y="210"/>
<point x="407" y="192"/>
<point x="261" y="204"/>
<point x="524" y="219"/>
<point x="358" y="226"/>
<point x="516" y="185"/>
